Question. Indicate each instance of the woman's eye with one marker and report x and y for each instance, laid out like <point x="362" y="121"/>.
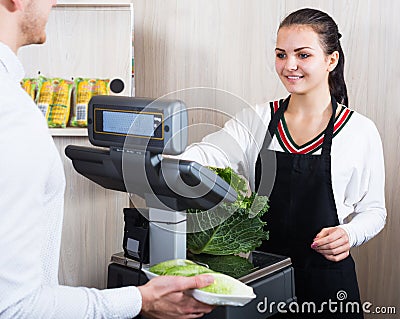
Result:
<point x="304" y="55"/>
<point x="280" y="55"/>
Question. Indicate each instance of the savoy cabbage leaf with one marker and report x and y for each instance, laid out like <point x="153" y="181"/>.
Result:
<point x="239" y="226"/>
<point x="231" y="265"/>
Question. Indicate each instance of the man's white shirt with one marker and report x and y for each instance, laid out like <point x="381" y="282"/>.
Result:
<point x="32" y="184"/>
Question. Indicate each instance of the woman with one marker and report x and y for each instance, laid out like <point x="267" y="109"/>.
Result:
<point x="328" y="194"/>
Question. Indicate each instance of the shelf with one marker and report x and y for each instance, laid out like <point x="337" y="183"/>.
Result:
<point x="94" y="3"/>
<point x="69" y="131"/>
<point x="71" y="43"/>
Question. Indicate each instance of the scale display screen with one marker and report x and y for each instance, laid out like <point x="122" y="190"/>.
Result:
<point x="158" y="126"/>
<point x="131" y="123"/>
<point x="128" y="123"/>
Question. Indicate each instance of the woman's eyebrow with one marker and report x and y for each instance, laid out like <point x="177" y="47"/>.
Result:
<point x="302" y="48"/>
<point x="295" y="50"/>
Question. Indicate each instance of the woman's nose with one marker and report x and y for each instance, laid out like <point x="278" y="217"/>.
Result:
<point x="291" y="64"/>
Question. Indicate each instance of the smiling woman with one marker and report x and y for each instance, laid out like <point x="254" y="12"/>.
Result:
<point x="329" y="164"/>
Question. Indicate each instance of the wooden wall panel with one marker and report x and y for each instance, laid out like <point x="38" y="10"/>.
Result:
<point x="93" y="225"/>
<point x="228" y="45"/>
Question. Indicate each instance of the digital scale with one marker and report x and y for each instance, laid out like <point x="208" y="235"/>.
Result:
<point x="134" y="135"/>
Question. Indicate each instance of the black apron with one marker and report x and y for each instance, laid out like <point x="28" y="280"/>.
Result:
<point x="301" y="204"/>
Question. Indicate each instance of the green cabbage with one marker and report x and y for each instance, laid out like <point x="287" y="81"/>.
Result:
<point x="187" y="271"/>
<point x="222" y="284"/>
<point x="162" y="267"/>
<point x="241" y="229"/>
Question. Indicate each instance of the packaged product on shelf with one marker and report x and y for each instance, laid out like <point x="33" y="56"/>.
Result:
<point x="61" y="106"/>
<point x="54" y="100"/>
<point x="44" y="96"/>
<point x="29" y="85"/>
<point x="85" y="88"/>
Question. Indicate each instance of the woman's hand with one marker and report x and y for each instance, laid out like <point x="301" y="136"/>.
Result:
<point x="164" y="297"/>
<point x="332" y="243"/>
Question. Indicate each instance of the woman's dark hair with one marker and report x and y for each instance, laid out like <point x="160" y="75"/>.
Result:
<point x="329" y="36"/>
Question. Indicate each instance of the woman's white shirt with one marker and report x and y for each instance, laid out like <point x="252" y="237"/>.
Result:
<point x="358" y="175"/>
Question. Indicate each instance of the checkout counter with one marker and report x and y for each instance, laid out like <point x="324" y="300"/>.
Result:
<point x="133" y="137"/>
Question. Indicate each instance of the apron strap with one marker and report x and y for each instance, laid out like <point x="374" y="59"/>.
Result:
<point x="273" y="123"/>
<point x="276" y="117"/>
<point x="328" y="134"/>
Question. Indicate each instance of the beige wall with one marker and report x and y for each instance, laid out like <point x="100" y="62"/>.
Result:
<point x="228" y="44"/>
<point x="93" y="225"/>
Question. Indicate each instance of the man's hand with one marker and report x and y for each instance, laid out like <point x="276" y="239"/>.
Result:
<point x="332" y="243"/>
<point x="164" y="297"/>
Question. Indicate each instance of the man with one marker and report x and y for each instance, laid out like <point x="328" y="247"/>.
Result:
<point x="32" y="184"/>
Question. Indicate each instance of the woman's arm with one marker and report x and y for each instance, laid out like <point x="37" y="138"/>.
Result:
<point x="236" y="145"/>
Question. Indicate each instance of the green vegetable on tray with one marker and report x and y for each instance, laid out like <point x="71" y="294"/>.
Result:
<point x="223" y="284"/>
<point x="162" y="268"/>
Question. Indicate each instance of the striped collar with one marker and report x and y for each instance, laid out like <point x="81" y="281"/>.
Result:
<point x="288" y="144"/>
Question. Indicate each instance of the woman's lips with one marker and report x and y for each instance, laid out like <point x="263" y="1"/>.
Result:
<point x="293" y="78"/>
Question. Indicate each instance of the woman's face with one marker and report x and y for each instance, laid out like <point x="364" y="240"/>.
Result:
<point x="300" y="61"/>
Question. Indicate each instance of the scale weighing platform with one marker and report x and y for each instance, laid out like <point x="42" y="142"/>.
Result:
<point x="272" y="280"/>
<point x="133" y="135"/>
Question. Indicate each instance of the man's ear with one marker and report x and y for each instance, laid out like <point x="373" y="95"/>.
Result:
<point x="16" y="5"/>
<point x="333" y="60"/>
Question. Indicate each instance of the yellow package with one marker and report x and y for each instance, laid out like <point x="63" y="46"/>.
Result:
<point x="29" y="85"/>
<point x="61" y="106"/>
<point x="84" y="90"/>
<point x="54" y="100"/>
<point x="44" y="96"/>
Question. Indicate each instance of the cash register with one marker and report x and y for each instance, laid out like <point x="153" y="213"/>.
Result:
<point x="133" y="141"/>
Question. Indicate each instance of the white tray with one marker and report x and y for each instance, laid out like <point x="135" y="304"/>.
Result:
<point x="215" y="299"/>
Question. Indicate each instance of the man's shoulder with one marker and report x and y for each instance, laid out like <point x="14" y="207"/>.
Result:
<point x="17" y="109"/>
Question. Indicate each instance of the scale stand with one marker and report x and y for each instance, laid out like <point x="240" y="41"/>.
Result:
<point x="137" y="131"/>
